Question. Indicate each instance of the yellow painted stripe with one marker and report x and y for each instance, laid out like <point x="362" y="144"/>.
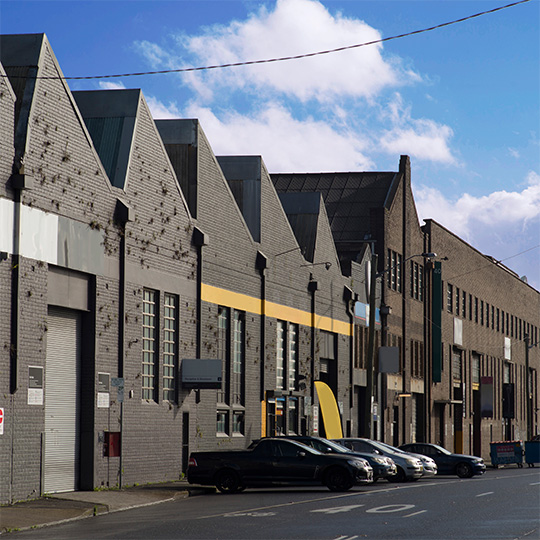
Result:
<point x="329" y="410"/>
<point x="243" y="302"/>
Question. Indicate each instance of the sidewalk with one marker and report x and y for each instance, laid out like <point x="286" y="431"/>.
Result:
<point x="63" y="507"/>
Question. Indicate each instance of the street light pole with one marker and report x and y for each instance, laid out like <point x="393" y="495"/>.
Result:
<point x="368" y="405"/>
<point x="527" y="388"/>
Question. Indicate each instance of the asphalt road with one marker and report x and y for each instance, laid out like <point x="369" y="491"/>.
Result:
<point x="502" y="504"/>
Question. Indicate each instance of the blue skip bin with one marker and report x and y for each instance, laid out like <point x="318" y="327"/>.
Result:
<point x="532" y="452"/>
<point x="506" y="452"/>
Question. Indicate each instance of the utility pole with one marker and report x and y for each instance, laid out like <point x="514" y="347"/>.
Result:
<point x="527" y="388"/>
<point x="368" y="413"/>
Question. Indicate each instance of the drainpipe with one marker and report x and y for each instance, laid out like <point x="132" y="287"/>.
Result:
<point x="19" y="182"/>
<point x="124" y="215"/>
<point x="261" y="263"/>
<point x="199" y="239"/>
<point x="312" y="288"/>
<point x="350" y="298"/>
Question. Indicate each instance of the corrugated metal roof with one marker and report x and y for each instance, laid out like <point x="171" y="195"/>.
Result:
<point x="348" y="198"/>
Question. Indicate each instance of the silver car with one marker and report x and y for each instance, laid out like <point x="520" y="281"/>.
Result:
<point x="408" y="467"/>
<point x="430" y="467"/>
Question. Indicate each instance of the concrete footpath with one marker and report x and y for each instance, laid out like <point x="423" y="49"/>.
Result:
<point x="63" y="507"/>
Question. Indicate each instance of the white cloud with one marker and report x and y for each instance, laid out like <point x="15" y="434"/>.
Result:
<point x="294" y="27"/>
<point x="494" y="212"/>
<point x="514" y="153"/>
<point x="505" y="225"/>
<point x="420" y="138"/>
<point x="161" y="111"/>
<point x="286" y="144"/>
<point x="108" y="85"/>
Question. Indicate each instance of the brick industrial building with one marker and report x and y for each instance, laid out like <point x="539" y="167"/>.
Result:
<point x="131" y="257"/>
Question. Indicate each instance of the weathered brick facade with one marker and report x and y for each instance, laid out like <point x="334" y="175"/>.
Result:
<point x="162" y="252"/>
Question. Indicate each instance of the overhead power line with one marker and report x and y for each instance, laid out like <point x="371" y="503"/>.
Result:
<point x="285" y="58"/>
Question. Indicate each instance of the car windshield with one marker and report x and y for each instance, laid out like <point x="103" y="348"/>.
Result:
<point x="441" y="449"/>
<point x="383" y="448"/>
<point x="392" y="448"/>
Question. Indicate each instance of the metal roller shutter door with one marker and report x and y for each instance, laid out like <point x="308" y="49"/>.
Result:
<point x="62" y="378"/>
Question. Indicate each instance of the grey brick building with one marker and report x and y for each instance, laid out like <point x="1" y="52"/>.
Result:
<point x="130" y="254"/>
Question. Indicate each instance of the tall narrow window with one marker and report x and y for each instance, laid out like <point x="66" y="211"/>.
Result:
<point x="223" y="353"/>
<point x="170" y="346"/>
<point x="463" y="304"/>
<point x="449" y="297"/>
<point x="457" y="301"/>
<point x="394" y="274"/>
<point x="149" y="360"/>
<point x="238" y="358"/>
<point x="293" y="356"/>
<point x="280" y="355"/>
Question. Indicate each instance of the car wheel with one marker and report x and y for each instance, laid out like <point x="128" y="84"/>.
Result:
<point x="398" y="477"/>
<point x="227" y="481"/>
<point x="338" y="479"/>
<point x="464" y="470"/>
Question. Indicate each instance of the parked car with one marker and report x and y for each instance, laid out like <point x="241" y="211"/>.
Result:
<point x="408" y="467"/>
<point x="447" y="463"/>
<point x="383" y="467"/>
<point x="430" y="467"/>
<point x="275" y="462"/>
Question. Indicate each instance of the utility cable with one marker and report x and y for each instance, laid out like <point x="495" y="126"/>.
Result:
<point x="283" y="58"/>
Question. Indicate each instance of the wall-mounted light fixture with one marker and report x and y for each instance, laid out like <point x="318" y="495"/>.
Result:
<point x="327" y="264"/>
<point x="289" y="251"/>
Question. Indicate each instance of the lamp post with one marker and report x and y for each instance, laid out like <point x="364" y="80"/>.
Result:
<point x="368" y="412"/>
<point x="528" y="411"/>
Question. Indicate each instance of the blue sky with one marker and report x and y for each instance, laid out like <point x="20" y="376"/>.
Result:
<point x="463" y="101"/>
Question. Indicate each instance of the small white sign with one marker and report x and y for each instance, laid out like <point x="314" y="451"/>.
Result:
<point x="315" y="419"/>
<point x="35" y="396"/>
<point x="1" y="420"/>
<point x="103" y="400"/>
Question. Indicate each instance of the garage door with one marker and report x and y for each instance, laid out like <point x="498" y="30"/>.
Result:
<point x="62" y="377"/>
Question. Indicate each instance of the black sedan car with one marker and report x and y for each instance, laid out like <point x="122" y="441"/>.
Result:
<point x="447" y="463"/>
<point x="383" y="467"/>
<point x="275" y="462"/>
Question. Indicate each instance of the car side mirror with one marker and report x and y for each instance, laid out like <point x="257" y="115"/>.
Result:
<point x="327" y="450"/>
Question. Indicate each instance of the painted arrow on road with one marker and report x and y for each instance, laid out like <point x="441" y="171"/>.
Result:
<point x="338" y="509"/>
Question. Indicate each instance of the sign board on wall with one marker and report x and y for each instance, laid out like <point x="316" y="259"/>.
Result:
<point x="201" y="373"/>
<point x="35" y="385"/>
<point x="103" y="401"/>
<point x="2" y="421"/>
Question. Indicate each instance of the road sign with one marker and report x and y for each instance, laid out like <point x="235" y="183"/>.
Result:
<point x="1" y="421"/>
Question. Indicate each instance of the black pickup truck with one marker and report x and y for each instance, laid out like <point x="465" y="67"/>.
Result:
<point x="275" y="461"/>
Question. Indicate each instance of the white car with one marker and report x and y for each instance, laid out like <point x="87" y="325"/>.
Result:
<point x="408" y="467"/>
<point x="430" y="467"/>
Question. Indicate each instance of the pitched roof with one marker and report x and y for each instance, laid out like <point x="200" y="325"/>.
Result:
<point x="348" y="199"/>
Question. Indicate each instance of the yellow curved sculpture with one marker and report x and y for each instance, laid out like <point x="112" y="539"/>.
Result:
<point x="329" y="410"/>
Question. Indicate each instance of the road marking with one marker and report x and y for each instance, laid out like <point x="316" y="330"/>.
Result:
<point x="486" y="493"/>
<point x="390" y="508"/>
<point x="250" y="514"/>
<point x="534" y="484"/>
<point x="338" y="509"/>
<point x="415" y="513"/>
<point x="346" y="537"/>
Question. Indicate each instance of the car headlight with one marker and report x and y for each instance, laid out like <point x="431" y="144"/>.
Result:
<point x="379" y="460"/>
<point x="356" y="463"/>
<point x="478" y="460"/>
<point x="411" y="462"/>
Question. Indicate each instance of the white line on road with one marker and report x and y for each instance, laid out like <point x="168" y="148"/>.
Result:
<point x="415" y="513"/>
<point x="346" y="537"/>
<point x="486" y="493"/>
<point x="338" y="509"/>
<point x="534" y="484"/>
